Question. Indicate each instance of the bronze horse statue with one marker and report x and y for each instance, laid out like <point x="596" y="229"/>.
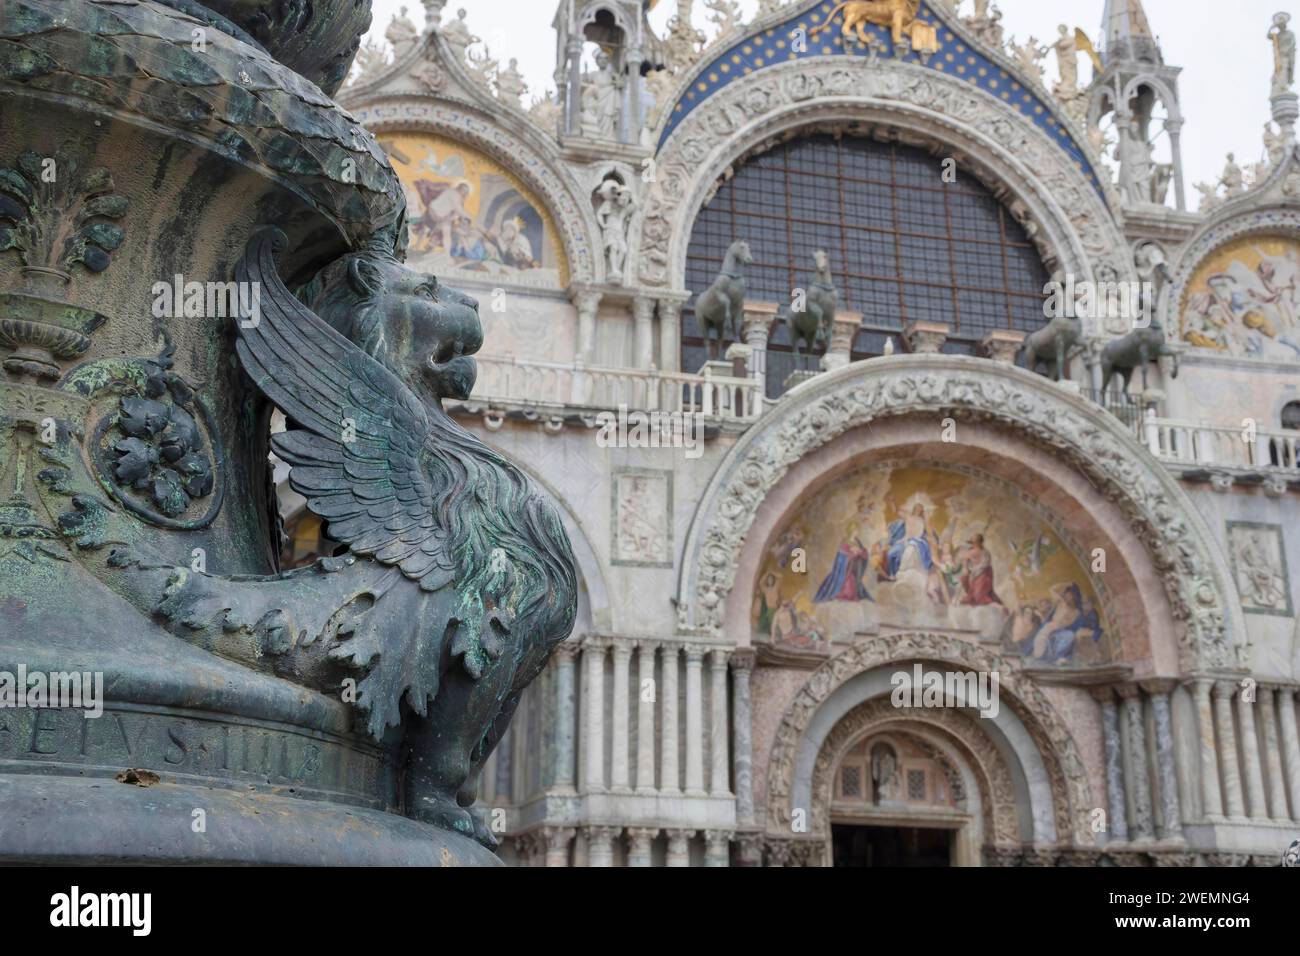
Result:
<point x="1136" y="350"/>
<point x="811" y="325"/>
<point x="1051" y="345"/>
<point x="722" y="305"/>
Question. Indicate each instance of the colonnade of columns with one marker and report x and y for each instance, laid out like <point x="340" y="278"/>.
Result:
<point x="684" y="735"/>
<point x="604" y="846"/>
<point x="1142" y="800"/>
<point x="1249" y="750"/>
<point x="1246" y="763"/>
<point x="645" y="310"/>
<point x="678" y="728"/>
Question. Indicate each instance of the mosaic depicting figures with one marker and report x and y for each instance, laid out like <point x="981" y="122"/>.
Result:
<point x="1245" y="300"/>
<point x="470" y="218"/>
<point x="918" y="546"/>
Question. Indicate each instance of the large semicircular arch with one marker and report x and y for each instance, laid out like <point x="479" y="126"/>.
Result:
<point x="1176" y="542"/>
<point x="1009" y="153"/>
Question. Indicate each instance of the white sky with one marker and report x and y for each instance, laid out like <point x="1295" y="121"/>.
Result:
<point x="1226" y="59"/>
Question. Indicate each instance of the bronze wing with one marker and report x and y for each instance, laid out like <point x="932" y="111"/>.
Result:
<point x="355" y="454"/>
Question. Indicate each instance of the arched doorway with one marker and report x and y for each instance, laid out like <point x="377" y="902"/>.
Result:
<point x="993" y="781"/>
<point x="900" y="798"/>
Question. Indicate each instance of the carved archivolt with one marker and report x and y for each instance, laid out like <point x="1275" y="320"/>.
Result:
<point x="955" y="729"/>
<point x="1076" y="221"/>
<point x="1166" y="524"/>
<point x="1067" y="775"/>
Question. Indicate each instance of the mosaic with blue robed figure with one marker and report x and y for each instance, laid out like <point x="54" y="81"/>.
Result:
<point x="907" y="545"/>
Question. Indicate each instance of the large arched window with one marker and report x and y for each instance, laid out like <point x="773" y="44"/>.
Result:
<point x="904" y="245"/>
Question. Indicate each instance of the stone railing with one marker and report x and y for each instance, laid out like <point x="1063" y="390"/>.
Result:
<point x="1222" y="446"/>
<point x="522" y="383"/>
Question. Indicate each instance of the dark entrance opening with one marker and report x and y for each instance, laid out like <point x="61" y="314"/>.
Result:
<point x="891" y="846"/>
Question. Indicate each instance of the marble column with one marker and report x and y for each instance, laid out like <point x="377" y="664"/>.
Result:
<point x="566" y="715"/>
<point x="1211" y="793"/>
<point x="639" y="840"/>
<point x="757" y="328"/>
<point x="844" y="329"/>
<point x="557" y="845"/>
<point x="581" y="385"/>
<point x="1139" y="785"/>
<point x="503" y="778"/>
<point x="670" y="335"/>
<point x="679" y="842"/>
<point x="717" y="848"/>
<point x="1273" y="775"/>
<point x="1117" y="822"/>
<point x="694" y="720"/>
<point x="1255" y="803"/>
<point x="742" y="670"/>
<point x="719" y="736"/>
<point x="600" y="845"/>
<point x="1166" y="768"/>
<point x="669" y="778"/>
<point x="632" y="117"/>
<point x="593" y="698"/>
<point x="1175" y="130"/>
<point x="619" y="772"/>
<point x="1227" y="733"/>
<point x="645" y="717"/>
<point x="1290" y="746"/>
<point x="573" y="93"/>
<point x="643" y="314"/>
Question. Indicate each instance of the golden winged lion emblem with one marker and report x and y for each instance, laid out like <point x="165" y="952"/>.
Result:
<point x="899" y="15"/>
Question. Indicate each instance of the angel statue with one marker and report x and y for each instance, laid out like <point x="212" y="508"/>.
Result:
<point x="456" y="580"/>
<point x="402" y="34"/>
<point x="1283" y="41"/>
<point x="1068" y="46"/>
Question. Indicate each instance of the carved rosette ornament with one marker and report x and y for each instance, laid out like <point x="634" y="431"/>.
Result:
<point x="1163" y="521"/>
<point x="154" y="446"/>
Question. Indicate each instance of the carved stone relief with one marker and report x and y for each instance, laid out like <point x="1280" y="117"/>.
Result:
<point x="642" y="518"/>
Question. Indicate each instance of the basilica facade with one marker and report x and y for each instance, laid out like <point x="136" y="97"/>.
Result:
<point x="927" y="444"/>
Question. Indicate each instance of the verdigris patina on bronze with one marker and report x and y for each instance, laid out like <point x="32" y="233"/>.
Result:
<point x="338" y="713"/>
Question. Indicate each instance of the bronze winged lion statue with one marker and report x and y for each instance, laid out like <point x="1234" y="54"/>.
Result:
<point x="457" y="580"/>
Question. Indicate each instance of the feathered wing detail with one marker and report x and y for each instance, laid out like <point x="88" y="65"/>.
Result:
<point x="1083" y="43"/>
<point x="357" y="456"/>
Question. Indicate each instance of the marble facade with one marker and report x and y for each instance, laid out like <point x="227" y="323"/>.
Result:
<point x="666" y="732"/>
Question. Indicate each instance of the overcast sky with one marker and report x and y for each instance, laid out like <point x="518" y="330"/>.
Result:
<point x="1225" y="56"/>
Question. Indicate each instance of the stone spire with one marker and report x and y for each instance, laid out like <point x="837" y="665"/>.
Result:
<point x="1126" y="33"/>
<point x="1136" y="85"/>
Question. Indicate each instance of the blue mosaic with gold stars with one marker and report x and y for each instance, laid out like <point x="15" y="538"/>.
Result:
<point x="955" y="57"/>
